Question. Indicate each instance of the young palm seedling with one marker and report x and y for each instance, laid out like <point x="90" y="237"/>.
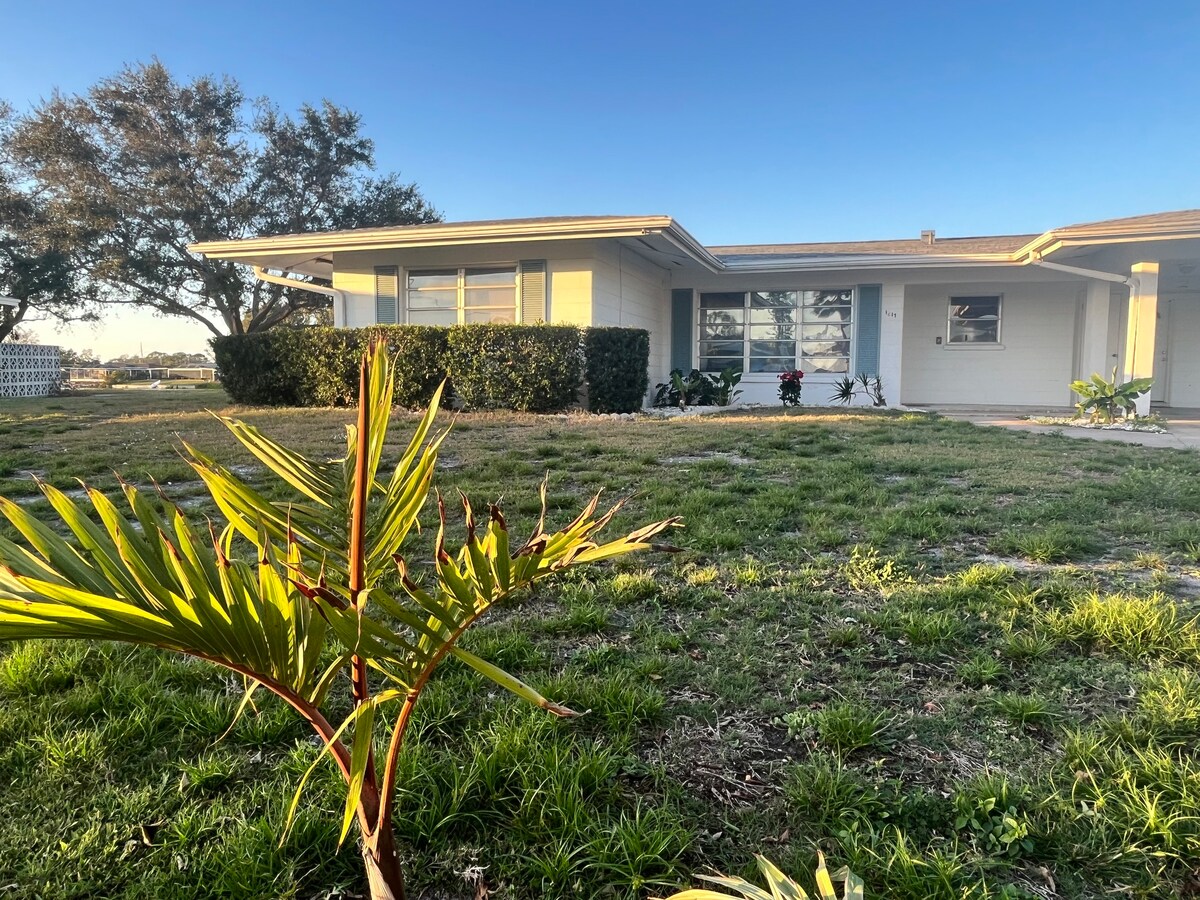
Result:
<point x="779" y="885"/>
<point x="307" y="598"/>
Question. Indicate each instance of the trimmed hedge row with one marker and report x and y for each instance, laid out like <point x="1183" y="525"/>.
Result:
<point x="617" y="368"/>
<point x="530" y="368"/>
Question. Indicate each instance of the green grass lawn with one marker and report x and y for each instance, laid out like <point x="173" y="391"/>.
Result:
<point x="961" y="660"/>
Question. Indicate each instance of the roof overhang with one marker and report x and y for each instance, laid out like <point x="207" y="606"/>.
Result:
<point x="663" y="238"/>
<point x="311" y="254"/>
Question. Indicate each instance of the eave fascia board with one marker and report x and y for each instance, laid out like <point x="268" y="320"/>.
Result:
<point x="681" y="238"/>
<point x="873" y="262"/>
<point x="1055" y="240"/>
<point x="433" y="236"/>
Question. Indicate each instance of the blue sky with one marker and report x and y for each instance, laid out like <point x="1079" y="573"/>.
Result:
<point x="748" y="122"/>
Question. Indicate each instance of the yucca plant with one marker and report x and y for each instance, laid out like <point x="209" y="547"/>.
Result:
<point x="295" y="595"/>
<point x="779" y="886"/>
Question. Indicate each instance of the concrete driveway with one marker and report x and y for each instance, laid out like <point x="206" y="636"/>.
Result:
<point x="1183" y="425"/>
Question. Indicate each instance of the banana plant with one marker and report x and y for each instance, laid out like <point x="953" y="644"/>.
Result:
<point x="1106" y="399"/>
<point x="308" y="598"/>
<point x="779" y="885"/>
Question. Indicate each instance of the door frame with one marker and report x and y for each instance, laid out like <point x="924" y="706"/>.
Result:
<point x="1160" y="392"/>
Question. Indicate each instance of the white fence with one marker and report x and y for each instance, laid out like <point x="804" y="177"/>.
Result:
<point x="28" y="370"/>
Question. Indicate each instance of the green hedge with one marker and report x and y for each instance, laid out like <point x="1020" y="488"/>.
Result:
<point x="286" y="366"/>
<point x="533" y="368"/>
<point x="319" y="366"/>
<point x="618" y="361"/>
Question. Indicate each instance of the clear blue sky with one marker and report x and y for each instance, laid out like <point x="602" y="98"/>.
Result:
<point x="746" y="121"/>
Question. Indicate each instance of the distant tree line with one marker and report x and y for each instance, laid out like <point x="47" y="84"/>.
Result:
<point x="157" y="359"/>
<point x="100" y="194"/>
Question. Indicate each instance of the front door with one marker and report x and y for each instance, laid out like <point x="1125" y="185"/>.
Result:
<point x="1162" y="354"/>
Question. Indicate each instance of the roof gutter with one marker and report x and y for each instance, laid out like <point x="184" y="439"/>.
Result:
<point x="1035" y="259"/>
<point x="339" y="296"/>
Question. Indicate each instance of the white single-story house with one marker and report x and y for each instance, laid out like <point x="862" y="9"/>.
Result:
<point x="1004" y="320"/>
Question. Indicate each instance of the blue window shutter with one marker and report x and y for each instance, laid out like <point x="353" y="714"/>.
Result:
<point x="387" y="295"/>
<point x="681" y="329"/>
<point x="867" y="329"/>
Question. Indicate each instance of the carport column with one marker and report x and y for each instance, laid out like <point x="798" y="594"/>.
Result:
<point x="1094" y="352"/>
<point x="1143" y="319"/>
<point x="891" y="341"/>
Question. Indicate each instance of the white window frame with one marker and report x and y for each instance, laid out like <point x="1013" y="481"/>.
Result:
<point x="997" y="344"/>
<point x="461" y="288"/>
<point x="852" y="290"/>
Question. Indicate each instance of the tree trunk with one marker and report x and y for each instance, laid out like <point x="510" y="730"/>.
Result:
<point x="384" y="875"/>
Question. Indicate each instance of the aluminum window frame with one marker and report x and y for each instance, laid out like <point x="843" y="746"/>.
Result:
<point x="461" y="289"/>
<point x="746" y="325"/>
<point x="951" y="319"/>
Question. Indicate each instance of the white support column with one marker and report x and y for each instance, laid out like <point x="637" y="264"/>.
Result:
<point x="1093" y="357"/>
<point x="891" y="341"/>
<point x="1143" y="320"/>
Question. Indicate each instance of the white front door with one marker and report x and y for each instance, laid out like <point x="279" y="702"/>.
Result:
<point x="1185" y="362"/>
<point x="1162" y="353"/>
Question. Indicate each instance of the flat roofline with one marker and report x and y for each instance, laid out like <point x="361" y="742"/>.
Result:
<point x="1166" y="226"/>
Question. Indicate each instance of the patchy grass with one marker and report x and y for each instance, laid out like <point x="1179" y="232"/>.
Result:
<point x="963" y="661"/>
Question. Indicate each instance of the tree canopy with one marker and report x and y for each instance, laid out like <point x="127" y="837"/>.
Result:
<point x="34" y="269"/>
<point x="124" y="177"/>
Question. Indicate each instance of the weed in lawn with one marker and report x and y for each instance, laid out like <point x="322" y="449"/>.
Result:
<point x="985" y="575"/>
<point x="1144" y="559"/>
<point x="931" y="629"/>
<point x="1054" y="544"/>
<point x="705" y="575"/>
<point x="1024" y="709"/>
<point x="987" y="814"/>
<point x="33" y="667"/>
<point x="750" y="572"/>
<point x="1167" y="712"/>
<point x="1138" y="628"/>
<point x="1027" y="645"/>
<point x="69" y="751"/>
<point x="825" y="797"/>
<point x="1144" y="800"/>
<point x="582" y="616"/>
<point x="632" y="587"/>
<point x="210" y="773"/>
<point x="980" y="670"/>
<point x="846" y="636"/>
<point x="868" y="571"/>
<point x="842" y="726"/>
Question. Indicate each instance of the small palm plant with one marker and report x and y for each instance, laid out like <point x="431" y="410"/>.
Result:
<point x="779" y="885"/>
<point x="308" y="598"/>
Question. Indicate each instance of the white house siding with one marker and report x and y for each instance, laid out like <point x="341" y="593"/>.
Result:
<point x="630" y="291"/>
<point x="1032" y="366"/>
<point x="569" y="267"/>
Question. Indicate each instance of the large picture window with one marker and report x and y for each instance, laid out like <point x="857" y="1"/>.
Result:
<point x="774" y="331"/>
<point x="974" y="320"/>
<point x="462" y="296"/>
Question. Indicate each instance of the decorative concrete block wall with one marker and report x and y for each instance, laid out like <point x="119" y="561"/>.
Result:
<point x="28" y="370"/>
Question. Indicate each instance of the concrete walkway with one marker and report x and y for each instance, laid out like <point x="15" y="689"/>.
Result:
<point x="1183" y="425"/>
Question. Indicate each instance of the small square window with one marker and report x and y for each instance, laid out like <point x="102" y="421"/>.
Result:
<point x="974" y="320"/>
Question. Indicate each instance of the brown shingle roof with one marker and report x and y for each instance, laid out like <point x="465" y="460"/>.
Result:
<point x="1178" y="218"/>
<point x="962" y="246"/>
<point x="435" y="226"/>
